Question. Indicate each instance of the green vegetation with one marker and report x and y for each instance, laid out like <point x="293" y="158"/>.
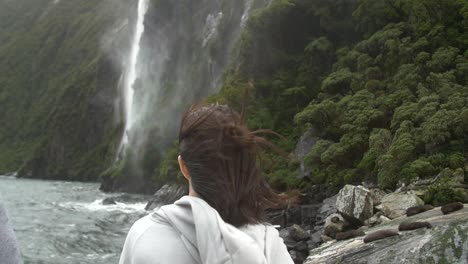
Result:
<point x="55" y="86"/>
<point x="383" y="84"/>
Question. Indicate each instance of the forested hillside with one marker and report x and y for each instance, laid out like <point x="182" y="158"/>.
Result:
<point x="380" y="85"/>
<point x="57" y="88"/>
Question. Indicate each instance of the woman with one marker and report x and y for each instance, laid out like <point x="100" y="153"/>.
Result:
<point x="221" y="220"/>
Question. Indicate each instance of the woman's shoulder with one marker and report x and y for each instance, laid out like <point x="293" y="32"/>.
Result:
<point x="151" y="239"/>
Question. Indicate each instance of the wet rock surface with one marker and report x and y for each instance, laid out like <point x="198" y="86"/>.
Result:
<point x="167" y="194"/>
<point x="445" y="242"/>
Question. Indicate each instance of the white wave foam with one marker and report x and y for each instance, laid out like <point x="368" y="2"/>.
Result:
<point x="98" y="206"/>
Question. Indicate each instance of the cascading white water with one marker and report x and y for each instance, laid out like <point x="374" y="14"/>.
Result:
<point x="246" y="14"/>
<point x="131" y="73"/>
<point x="187" y="47"/>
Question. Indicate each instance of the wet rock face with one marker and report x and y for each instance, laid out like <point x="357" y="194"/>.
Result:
<point x="355" y="202"/>
<point x="394" y="205"/>
<point x="445" y="242"/>
<point x="295" y="238"/>
<point x="167" y="194"/>
<point x="303" y="147"/>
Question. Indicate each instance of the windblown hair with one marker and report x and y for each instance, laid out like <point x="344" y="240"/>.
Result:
<point x="221" y="155"/>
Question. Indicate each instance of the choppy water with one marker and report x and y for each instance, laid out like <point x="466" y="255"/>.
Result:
<point x="65" y="222"/>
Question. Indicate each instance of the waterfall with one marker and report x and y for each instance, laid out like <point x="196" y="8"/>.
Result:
<point x="131" y="74"/>
<point x="177" y="59"/>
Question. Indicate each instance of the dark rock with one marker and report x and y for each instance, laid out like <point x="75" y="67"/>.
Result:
<point x="309" y="214"/>
<point x="318" y="192"/>
<point x="311" y="244"/>
<point x="304" y="215"/>
<point x="293" y="215"/>
<point x="326" y="238"/>
<point x="285" y="234"/>
<point x="297" y="233"/>
<point x="316" y="237"/>
<point x="297" y="256"/>
<point x="301" y="246"/>
<point x="108" y="201"/>
<point x="277" y="217"/>
<point x="168" y="194"/>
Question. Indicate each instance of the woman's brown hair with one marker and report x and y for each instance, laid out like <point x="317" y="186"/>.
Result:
<point x="221" y="155"/>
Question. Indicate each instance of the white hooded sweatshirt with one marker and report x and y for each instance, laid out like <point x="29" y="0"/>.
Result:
<point x="192" y="232"/>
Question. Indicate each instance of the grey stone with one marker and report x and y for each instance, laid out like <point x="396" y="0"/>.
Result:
<point x="297" y="233"/>
<point x="285" y="234"/>
<point x="355" y="202"/>
<point x="377" y="196"/>
<point x="394" y="205"/>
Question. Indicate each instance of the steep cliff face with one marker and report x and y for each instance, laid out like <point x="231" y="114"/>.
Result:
<point x="65" y="65"/>
<point x="183" y="52"/>
<point x="58" y="88"/>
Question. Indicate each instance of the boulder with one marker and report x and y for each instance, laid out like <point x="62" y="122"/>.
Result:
<point x="167" y="194"/>
<point x="294" y="233"/>
<point x="376" y="219"/>
<point x="297" y="256"/>
<point x="446" y="242"/>
<point x="298" y="233"/>
<point x="328" y="208"/>
<point x="109" y="201"/>
<point x="355" y="202"/>
<point x="377" y="196"/>
<point x="285" y="234"/>
<point x="394" y="205"/>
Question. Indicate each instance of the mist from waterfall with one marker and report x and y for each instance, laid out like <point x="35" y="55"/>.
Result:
<point x="179" y="51"/>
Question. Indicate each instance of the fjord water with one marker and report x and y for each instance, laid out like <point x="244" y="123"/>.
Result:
<point x="65" y="222"/>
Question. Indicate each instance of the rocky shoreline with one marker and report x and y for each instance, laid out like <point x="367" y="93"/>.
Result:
<point x="333" y="230"/>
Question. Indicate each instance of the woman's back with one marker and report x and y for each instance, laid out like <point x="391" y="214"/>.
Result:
<point x="192" y="232"/>
<point x="221" y="219"/>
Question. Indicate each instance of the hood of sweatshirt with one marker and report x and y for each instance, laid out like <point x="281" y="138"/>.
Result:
<point x="210" y="240"/>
